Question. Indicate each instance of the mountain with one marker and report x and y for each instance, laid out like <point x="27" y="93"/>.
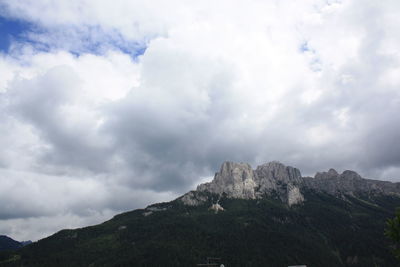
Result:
<point x="270" y="216"/>
<point x="25" y="243"/>
<point x="239" y="180"/>
<point x="7" y="243"/>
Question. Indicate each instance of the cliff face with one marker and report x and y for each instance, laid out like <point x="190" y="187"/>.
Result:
<point x="239" y="180"/>
<point x="349" y="182"/>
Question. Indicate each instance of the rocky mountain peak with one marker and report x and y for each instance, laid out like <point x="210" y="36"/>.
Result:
<point x="239" y="180"/>
<point x="235" y="179"/>
<point x="350" y="175"/>
<point x="232" y="172"/>
<point x="332" y="173"/>
<point x="278" y="172"/>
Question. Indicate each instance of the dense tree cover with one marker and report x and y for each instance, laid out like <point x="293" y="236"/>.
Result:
<point x="323" y="231"/>
<point x="392" y="231"/>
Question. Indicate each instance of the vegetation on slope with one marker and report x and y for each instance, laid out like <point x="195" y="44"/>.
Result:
<point x="323" y="231"/>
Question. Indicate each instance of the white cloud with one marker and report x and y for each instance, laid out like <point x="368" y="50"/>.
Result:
<point x="312" y="84"/>
<point x="35" y="228"/>
<point x="35" y="205"/>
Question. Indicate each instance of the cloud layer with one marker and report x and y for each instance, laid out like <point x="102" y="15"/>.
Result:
<point x="109" y="108"/>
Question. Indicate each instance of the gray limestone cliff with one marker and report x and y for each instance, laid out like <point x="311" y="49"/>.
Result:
<point x="349" y="182"/>
<point x="239" y="180"/>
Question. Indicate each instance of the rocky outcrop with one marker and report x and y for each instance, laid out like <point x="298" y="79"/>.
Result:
<point x="239" y="180"/>
<point x="294" y="195"/>
<point x="332" y="173"/>
<point x="277" y="172"/>
<point x="349" y="182"/>
<point x="216" y="207"/>
<point x="235" y="179"/>
<point x="276" y="177"/>
<point x="193" y="198"/>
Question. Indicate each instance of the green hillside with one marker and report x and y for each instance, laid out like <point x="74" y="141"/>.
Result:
<point x="323" y="231"/>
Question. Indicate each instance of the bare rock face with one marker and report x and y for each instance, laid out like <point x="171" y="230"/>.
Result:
<point x="239" y="180"/>
<point x="349" y="182"/>
<point x="234" y="179"/>
<point x="276" y="171"/>
<point x="332" y="173"/>
<point x="193" y="199"/>
<point x="294" y="195"/>
<point x="270" y="175"/>
<point x="216" y="207"/>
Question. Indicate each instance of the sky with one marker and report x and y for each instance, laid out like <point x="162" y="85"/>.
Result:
<point x="108" y="106"/>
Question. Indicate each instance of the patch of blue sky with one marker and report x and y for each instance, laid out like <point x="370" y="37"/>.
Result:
<point x="12" y="30"/>
<point x="134" y="49"/>
<point x="101" y="41"/>
<point x="92" y="40"/>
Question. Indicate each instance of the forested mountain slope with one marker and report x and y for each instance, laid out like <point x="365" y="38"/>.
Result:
<point x="287" y="220"/>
